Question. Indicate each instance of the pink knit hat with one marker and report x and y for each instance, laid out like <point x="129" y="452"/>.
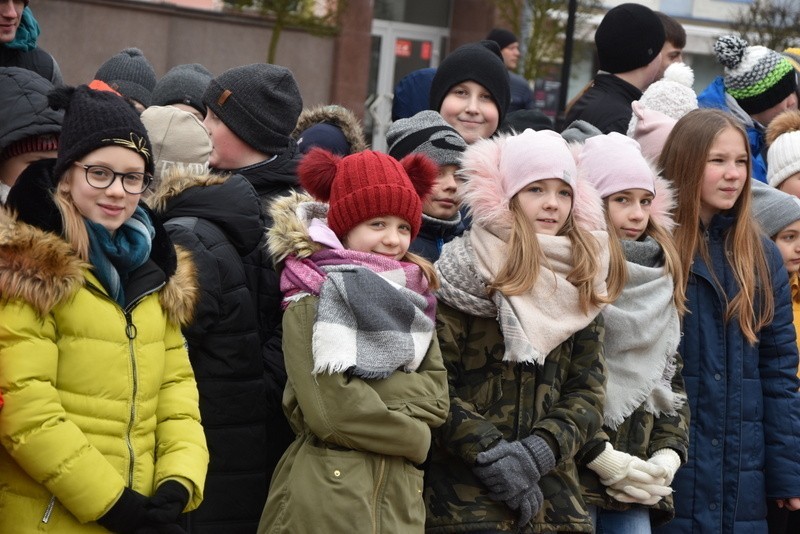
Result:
<point x="651" y="130"/>
<point x="614" y="163"/>
<point x="535" y="155"/>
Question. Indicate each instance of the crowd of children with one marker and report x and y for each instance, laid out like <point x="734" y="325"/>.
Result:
<point x="220" y="312"/>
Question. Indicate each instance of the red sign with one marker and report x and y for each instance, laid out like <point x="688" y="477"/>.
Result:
<point x="402" y="48"/>
<point x="425" y="53"/>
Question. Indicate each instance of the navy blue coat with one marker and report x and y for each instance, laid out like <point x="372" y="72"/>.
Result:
<point x="744" y="441"/>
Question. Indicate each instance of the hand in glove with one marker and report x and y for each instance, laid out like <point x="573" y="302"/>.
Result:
<point x="127" y="514"/>
<point x="528" y="503"/>
<point x="647" y="494"/>
<point x="669" y="460"/>
<point x="166" y="504"/>
<point x="510" y="468"/>
<point x="613" y="467"/>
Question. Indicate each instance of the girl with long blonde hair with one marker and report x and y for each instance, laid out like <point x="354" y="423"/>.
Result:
<point x="738" y="346"/>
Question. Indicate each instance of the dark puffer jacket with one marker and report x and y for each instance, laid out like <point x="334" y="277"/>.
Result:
<point x="218" y="220"/>
<point x="271" y="179"/>
<point x="24" y="110"/>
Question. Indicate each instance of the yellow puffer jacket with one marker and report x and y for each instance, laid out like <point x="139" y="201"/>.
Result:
<point x="97" y="397"/>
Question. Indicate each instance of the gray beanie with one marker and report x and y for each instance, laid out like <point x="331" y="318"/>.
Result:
<point x="426" y="133"/>
<point x="130" y="74"/>
<point x="183" y="84"/>
<point x="260" y="103"/>
<point x="774" y="209"/>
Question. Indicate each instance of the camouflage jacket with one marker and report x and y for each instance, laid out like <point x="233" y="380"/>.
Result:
<point x="560" y="401"/>
<point x="641" y="434"/>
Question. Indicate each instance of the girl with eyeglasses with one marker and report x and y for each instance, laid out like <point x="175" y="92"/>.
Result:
<point x="101" y="426"/>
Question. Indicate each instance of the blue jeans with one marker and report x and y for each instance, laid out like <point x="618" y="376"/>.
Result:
<point x="633" y="521"/>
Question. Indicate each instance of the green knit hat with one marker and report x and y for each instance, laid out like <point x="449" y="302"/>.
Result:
<point x="757" y="77"/>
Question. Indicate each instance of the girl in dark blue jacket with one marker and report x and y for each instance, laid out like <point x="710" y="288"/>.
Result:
<point x="738" y="342"/>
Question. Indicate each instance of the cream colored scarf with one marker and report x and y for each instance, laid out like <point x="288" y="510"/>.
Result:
<point x="536" y="322"/>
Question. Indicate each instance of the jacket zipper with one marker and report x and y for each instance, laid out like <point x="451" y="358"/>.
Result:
<point x="130" y="333"/>
<point x="49" y="510"/>
<point x="375" y="496"/>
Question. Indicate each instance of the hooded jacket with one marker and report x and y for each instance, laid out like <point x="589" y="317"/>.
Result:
<point x="745" y="408"/>
<point x="25" y="110"/>
<point x="342" y="118"/>
<point x="714" y="96"/>
<point x="98" y="397"/>
<point x="354" y="463"/>
<point x="217" y="219"/>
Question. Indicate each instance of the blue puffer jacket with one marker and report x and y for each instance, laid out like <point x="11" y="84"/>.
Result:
<point x="744" y="444"/>
<point x="714" y="96"/>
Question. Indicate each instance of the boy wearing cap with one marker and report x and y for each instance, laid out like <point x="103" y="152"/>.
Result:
<point x="521" y="94"/>
<point x="470" y="90"/>
<point x="427" y="133"/>
<point x="629" y="41"/>
<point x="251" y="112"/>
<point x="758" y="85"/>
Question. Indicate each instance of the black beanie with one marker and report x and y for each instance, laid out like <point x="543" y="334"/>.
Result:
<point x="478" y="62"/>
<point x="95" y="119"/>
<point x="183" y="84"/>
<point x="629" y="36"/>
<point x="502" y="37"/>
<point x="260" y="103"/>
<point x="130" y="74"/>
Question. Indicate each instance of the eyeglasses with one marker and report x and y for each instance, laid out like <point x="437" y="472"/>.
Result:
<point x="101" y="177"/>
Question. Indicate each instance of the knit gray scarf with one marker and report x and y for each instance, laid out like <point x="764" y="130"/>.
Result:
<point x="642" y="336"/>
<point x="535" y="322"/>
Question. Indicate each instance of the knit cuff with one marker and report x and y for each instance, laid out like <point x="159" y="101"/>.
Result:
<point x="610" y="465"/>
<point x="668" y="457"/>
<point x="542" y="454"/>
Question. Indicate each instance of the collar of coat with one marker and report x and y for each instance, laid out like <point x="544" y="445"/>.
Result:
<point x="38" y="266"/>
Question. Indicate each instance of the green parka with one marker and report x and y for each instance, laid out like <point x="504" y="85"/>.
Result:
<point x="560" y="401"/>
<point x="354" y="465"/>
<point x="98" y="398"/>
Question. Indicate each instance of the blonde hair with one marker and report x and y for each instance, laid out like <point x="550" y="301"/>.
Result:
<point x="74" y="223"/>
<point x="618" y="267"/>
<point x="683" y="161"/>
<point x="427" y="269"/>
<point x="521" y="268"/>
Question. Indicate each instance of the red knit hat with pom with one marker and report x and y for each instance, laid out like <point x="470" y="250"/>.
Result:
<point x="366" y="185"/>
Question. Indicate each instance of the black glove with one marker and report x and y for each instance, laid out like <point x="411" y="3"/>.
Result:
<point x="127" y="514"/>
<point x="511" y="468"/>
<point x="167" y="504"/>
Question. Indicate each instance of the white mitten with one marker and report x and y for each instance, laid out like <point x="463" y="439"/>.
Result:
<point x="614" y="467"/>
<point x="669" y="460"/>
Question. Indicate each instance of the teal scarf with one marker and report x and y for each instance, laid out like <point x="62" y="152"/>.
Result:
<point x="27" y="33"/>
<point x="114" y="257"/>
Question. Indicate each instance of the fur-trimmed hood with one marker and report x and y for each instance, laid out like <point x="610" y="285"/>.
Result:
<point x="291" y="216"/>
<point x="38" y="266"/>
<point x="341" y="117"/>
<point x="485" y="196"/>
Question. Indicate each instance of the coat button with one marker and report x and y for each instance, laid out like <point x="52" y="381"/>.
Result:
<point x="337" y="473"/>
<point x="712" y="506"/>
<point x="714" y="442"/>
<point x="717" y="376"/>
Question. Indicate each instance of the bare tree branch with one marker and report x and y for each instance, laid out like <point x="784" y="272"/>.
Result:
<point x="774" y="24"/>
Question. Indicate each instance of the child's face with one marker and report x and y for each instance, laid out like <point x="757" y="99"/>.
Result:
<point x="629" y="212"/>
<point x="227" y="148"/>
<point x="725" y="174"/>
<point x="387" y="235"/>
<point x="469" y="108"/>
<point x="788" y="241"/>
<point x="546" y="204"/>
<point x="441" y="202"/>
<point x="112" y="206"/>
<point x="791" y="185"/>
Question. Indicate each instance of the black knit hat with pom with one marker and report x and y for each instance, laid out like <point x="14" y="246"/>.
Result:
<point x="95" y="119"/>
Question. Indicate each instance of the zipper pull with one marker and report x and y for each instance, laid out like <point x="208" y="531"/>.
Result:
<point x="130" y="328"/>
<point x="49" y="510"/>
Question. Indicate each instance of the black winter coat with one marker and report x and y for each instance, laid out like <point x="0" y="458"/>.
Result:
<point x="217" y="218"/>
<point x="606" y="105"/>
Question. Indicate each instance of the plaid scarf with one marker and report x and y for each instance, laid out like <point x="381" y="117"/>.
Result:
<point x="375" y="314"/>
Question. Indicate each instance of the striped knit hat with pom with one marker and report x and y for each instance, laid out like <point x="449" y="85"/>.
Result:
<point x="757" y="77"/>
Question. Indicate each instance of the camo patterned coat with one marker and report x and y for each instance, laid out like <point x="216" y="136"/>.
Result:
<point x="560" y="401"/>
<point x="641" y="435"/>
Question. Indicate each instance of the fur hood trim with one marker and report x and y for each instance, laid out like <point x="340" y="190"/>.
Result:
<point x="783" y="123"/>
<point x="339" y="116"/>
<point x="485" y="196"/>
<point x="36" y="266"/>
<point x="291" y="216"/>
<point x="175" y="181"/>
<point x="179" y="296"/>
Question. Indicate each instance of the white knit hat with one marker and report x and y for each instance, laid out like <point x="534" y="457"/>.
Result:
<point x="672" y="95"/>
<point x="783" y="157"/>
